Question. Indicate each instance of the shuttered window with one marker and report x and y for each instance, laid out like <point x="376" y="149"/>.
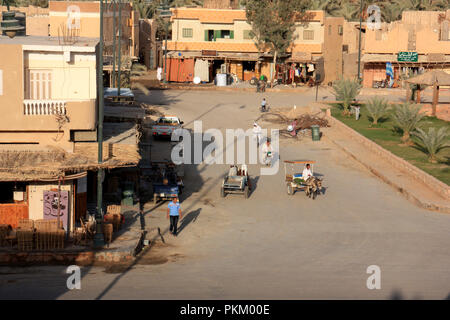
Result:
<point x="187" y="32"/>
<point x="308" y="34"/>
<point x="39" y="85"/>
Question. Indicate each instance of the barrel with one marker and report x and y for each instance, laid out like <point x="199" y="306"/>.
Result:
<point x="315" y="132"/>
<point x="221" y="79"/>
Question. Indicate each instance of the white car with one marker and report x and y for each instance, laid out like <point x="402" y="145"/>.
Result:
<point x="165" y="126"/>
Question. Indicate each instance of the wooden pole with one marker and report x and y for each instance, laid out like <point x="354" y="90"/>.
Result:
<point x="435" y="99"/>
<point x="59" y="202"/>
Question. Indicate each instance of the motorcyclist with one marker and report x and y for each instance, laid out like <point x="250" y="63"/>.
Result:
<point x="263" y="104"/>
<point x="267" y="152"/>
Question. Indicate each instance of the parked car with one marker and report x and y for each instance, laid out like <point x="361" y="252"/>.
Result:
<point x="165" y="126"/>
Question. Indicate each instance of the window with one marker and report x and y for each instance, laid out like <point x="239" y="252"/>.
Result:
<point x="225" y="34"/>
<point x="212" y="35"/>
<point x="308" y="34"/>
<point x="340" y="30"/>
<point x="39" y="85"/>
<point x="10" y="192"/>
<point x="248" y="34"/>
<point x="187" y="33"/>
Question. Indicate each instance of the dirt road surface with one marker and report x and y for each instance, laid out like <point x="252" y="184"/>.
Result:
<point x="272" y="245"/>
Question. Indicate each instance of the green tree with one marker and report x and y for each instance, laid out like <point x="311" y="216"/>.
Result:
<point x="390" y="11"/>
<point x="433" y="141"/>
<point x="407" y="117"/>
<point x="346" y="90"/>
<point x="273" y="23"/>
<point x="377" y="108"/>
<point x="348" y="10"/>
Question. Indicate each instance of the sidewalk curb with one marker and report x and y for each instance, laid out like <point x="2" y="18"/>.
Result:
<point x="64" y="258"/>
<point x="411" y="197"/>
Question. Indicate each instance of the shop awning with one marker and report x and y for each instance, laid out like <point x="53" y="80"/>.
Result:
<point x="422" y="59"/>
<point x="432" y="77"/>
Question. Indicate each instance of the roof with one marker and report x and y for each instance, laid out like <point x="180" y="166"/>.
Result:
<point x="209" y="15"/>
<point x="51" y="43"/>
<point x="431" y="77"/>
<point x="245" y="56"/>
<point x="19" y="164"/>
<point x="380" y="57"/>
<point x="206" y="15"/>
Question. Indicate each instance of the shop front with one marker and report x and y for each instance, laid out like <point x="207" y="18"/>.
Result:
<point x="391" y="71"/>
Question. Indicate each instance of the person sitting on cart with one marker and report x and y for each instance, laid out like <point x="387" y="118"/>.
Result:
<point x="307" y="172"/>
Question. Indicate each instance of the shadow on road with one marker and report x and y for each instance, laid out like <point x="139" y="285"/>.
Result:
<point x="190" y="217"/>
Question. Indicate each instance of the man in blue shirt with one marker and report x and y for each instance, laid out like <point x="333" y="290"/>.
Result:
<point x="174" y="213"/>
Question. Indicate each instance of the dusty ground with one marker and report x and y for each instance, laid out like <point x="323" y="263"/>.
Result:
<point x="271" y="246"/>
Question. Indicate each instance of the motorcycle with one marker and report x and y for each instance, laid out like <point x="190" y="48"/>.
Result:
<point x="268" y="158"/>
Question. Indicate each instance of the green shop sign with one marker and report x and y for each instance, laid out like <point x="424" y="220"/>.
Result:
<point x="407" y="56"/>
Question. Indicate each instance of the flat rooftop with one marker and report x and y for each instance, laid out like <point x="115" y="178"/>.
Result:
<point x="56" y="43"/>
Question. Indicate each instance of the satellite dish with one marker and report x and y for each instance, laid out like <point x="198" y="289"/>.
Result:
<point x="197" y="80"/>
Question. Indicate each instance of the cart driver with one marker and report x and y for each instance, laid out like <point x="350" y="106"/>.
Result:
<point x="307" y="172"/>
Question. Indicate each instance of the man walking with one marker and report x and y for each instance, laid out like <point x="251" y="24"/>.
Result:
<point x="174" y="213"/>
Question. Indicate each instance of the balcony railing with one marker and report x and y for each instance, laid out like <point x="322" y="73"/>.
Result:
<point x="43" y="107"/>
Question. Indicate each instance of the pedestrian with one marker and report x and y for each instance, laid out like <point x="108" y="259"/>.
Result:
<point x="174" y="213"/>
<point x="159" y="74"/>
<point x="257" y="133"/>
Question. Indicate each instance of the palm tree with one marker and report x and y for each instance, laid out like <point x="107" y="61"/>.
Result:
<point x="433" y="5"/>
<point x="407" y="117"/>
<point x="346" y="90"/>
<point x="433" y="141"/>
<point x="182" y="3"/>
<point x="390" y="11"/>
<point x="409" y="4"/>
<point x="348" y="10"/>
<point x="145" y="9"/>
<point x="377" y="109"/>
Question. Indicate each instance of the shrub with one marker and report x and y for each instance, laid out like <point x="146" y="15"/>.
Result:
<point x="377" y="108"/>
<point x="346" y="90"/>
<point x="407" y="117"/>
<point x="433" y="141"/>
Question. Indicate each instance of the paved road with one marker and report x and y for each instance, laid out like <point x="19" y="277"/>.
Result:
<point x="271" y="246"/>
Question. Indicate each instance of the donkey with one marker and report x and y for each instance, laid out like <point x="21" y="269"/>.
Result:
<point x="313" y="187"/>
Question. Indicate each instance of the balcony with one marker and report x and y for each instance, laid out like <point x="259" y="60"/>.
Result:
<point x="44" y="107"/>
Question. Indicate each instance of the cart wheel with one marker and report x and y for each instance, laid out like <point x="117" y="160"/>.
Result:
<point x="222" y="192"/>
<point x="155" y="199"/>
<point x="246" y="192"/>
<point x="290" y="190"/>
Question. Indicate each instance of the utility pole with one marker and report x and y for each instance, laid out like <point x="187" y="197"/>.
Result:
<point x="98" y="238"/>
<point x="119" y="62"/>
<point x="164" y="12"/>
<point x="114" y="5"/>
<point x="166" y="30"/>
<point x="359" y="45"/>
